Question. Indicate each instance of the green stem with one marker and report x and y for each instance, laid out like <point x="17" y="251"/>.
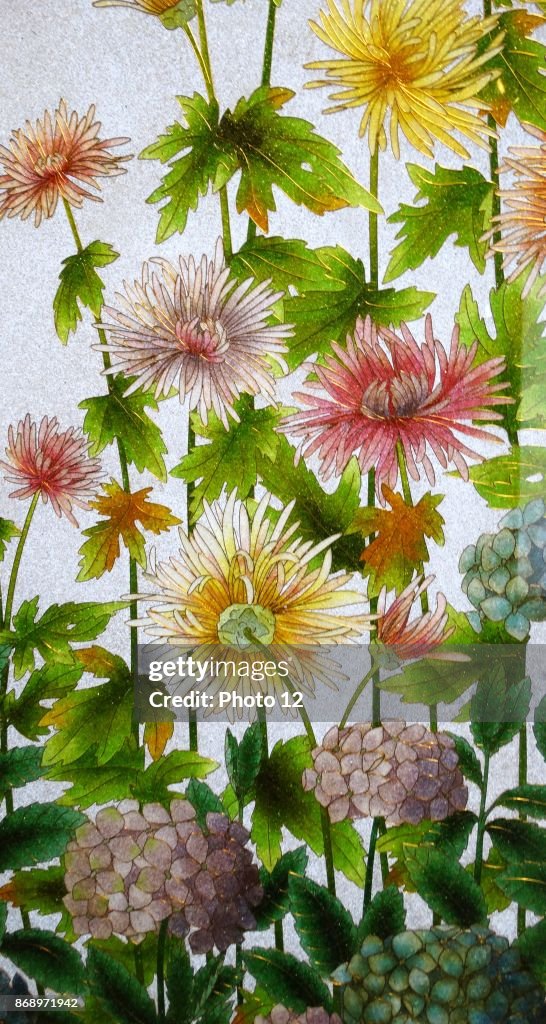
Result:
<point x="368" y="881"/>
<point x="139" y="964"/>
<point x="269" y="39"/>
<point x="124" y="469"/>
<point x="522" y="781"/>
<point x="161" y="946"/>
<point x="206" y="67"/>
<point x="481" y="821"/>
<point x="374" y="220"/>
<point x="356" y="695"/>
<point x="17" y="560"/>
<point x="192" y="714"/>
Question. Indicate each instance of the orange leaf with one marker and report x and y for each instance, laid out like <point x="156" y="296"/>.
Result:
<point x="156" y="737"/>
<point x="122" y="511"/>
<point x="399" y="546"/>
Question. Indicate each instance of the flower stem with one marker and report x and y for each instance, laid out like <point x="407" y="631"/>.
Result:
<point x="368" y="882"/>
<point x="481" y="821"/>
<point x="124" y="469"/>
<point x="373" y="220"/>
<point x="17" y="559"/>
<point x="139" y="964"/>
<point x="206" y="68"/>
<point x="161" y="946"/>
<point x="192" y="714"/>
<point x="356" y="695"/>
<point x="266" y="80"/>
<point x="522" y="781"/>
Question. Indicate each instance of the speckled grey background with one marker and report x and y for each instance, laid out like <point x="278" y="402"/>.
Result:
<point x="132" y="69"/>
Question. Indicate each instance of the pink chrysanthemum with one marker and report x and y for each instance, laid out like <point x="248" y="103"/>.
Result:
<point x="195" y="327"/>
<point x="383" y="389"/>
<point x="423" y="634"/>
<point x="53" y="462"/>
<point x="60" y="157"/>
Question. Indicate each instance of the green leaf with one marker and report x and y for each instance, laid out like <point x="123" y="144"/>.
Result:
<point x="532" y="945"/>
<point x="94" y="783"/>
<point x="455" y="202"/>
<point x="179" y="982"/>
<point x="243" y="759"/>
<point x="427" y="681"/>
<point x="19" y="766"/>
<point x="8" y="530"/>
<point x="539" y="727"/>
<point x="204" y="800"/>
<point x="124" y="953"/>
<point x="498" y="709"/>
<point x="518" y="841"/>
<point x="385" y="915"/>
<point x="320" y="515"/>
<point x="52" y="634"/>
<point x="112" y="416"/>
<point x="511" y="480"/>
<point x="154" y="784"/>
<point x="80" y="286"/>
<point x="275" y="902"/>
<point x="324" y="927"/>
<point x="526" y="799"/>
<point x="213" y="987"/>
<point x="47" y="958"/>
<point x="518" y="337"/>
<point x="287" y="980"/>
<point x="525" y="883"/>
<point x="468" y="761"/>
<point x="288" y="263"/>
<point x="446" y="887"/>
<point x="40" y="889"/>
<point x="190" y="175"/>
<point x="108" y="706"/>
<point x="230" y="458"/>
<point x="521" y="86"/>
<point x="36" y="833"/>
<point x="281" y="802"/>
<point x="327" y="311"/>
<point x="271" y="150"/>
<point x="48" y="682"/>
<point x="118" y="990"/>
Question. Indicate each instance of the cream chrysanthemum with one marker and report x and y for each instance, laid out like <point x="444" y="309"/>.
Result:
<point x="241" y="576"/>
<point x="415" y="59"/>
<point x="195" y="327"/>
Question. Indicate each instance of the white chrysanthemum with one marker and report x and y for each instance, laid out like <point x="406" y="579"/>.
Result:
<point x="195" y="327"/>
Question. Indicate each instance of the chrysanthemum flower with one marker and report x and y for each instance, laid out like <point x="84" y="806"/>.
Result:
<point x="198" y="329"/>
<point x="415" y="59"/>
<point x="60" y="157"/>
<point x="52" y="461"/>
<point x="240" y="576"/>
<point x="522" y="224"/>
<point x="157" y="7"/>
<point x="423" y="634"/>
<point x="383" y="389"/>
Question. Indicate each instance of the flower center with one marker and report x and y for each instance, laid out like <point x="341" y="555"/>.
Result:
<point x="50" y="164"/>
<point x="402" y="396"/>
<point x="206" y="339"/>
<point x="237" y="621"/>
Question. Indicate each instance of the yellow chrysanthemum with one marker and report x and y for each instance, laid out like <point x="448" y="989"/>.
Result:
<point x="418" y="60"/>
<point x="241" y="575"/>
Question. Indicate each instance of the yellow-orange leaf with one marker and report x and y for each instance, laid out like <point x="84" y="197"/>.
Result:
<point x="122" y="511"/>
<point x="399" y="546"/>
<point x="156" y="737"/>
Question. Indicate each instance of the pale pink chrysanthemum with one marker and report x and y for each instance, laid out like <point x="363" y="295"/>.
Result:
<point x="423" y="634"/>
<point x="53" y="462"/>
<point x="519" y="233"/>
<point x="383" y="389"/>
<point x="59" y="157"/>
<point x="195" y="327"/>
